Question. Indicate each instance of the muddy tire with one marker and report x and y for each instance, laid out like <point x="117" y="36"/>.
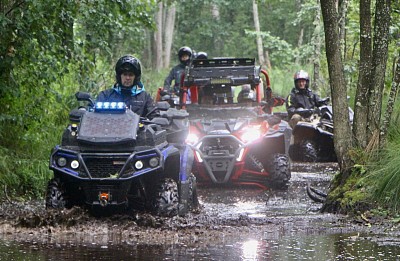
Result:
<point x="309" y="151"/>
<point x="166" y="198"/>
<point x="279" y="171"/>
<point x="56" y="197"/>
<point x="193" y="201"/>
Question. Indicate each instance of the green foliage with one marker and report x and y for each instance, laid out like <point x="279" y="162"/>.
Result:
<point x="374" y="182"/>
<point x="48" y="51"/>
<point x="384" y="176"/>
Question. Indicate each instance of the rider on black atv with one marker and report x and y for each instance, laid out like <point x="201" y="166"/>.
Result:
<point x="301" y="101"/>
<point x="129" y="88"/>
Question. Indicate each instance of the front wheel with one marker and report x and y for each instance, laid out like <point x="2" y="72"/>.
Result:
<point x="309" y="151"/>
<point x="56" y="196"/>
<point x="279" y="171"/>
<point x="166" y="198"/>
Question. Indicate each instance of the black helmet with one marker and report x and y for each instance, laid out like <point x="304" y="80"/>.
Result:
<point x="201" y="55"/>
<point x="301" y="75"/>
<point x="182" y="51"/>
<point x="128" y="63"/>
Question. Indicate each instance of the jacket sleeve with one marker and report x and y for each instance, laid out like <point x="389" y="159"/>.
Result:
<point x="150" y="107"/>
<point x="318" y="101"/>
<point x="168" y="80"/>
<point x="102" y="97"/>
<point x="291" y="104"/>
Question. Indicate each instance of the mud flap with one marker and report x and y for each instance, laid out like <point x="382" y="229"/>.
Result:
<point x="186" y="164"/>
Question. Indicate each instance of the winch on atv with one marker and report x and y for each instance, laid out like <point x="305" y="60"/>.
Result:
<point x="111" y="159"/>
<point x="234" y="143"/>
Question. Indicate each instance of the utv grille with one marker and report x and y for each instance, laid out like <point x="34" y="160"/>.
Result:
<point x="219" y="146"/>
<point x="105" y="167"/>
<point x="220" y="153"/>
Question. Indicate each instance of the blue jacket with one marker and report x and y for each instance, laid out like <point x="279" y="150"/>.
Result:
<point x="140" y="103"/>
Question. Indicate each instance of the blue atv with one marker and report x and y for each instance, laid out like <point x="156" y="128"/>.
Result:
<point x="112" y="160"/>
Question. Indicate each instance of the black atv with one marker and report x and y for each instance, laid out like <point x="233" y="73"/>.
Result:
<point x="240" y="143"/>
<point x="111" y="160"/>
<point x="313" y="138"/>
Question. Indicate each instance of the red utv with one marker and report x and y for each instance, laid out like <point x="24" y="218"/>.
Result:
<point x="235" y="137"/>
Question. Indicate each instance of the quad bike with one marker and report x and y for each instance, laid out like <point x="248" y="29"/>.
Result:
<point x="234" y="143"/>
<point x="110" y="160"/>
<point x="313" y="137"/>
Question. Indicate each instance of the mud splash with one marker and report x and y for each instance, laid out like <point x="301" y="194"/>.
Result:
<point x="226" y="216"/>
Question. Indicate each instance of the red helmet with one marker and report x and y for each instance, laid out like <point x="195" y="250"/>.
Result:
<point x="301" y="75"/>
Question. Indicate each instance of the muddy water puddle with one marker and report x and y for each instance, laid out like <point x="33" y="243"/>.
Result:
<point x="233" y="224"/>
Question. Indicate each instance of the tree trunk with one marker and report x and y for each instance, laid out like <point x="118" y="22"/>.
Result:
<point x="168" y="34"/>
<point x="301" y="33"/>
<point x="342" y="25"/>
<point x="342" y="130"/>
<point x="390" y="104"/>
<point x="158" y="43"/>
<point x="317" y="48"/>
<point x="267" y="60"/>
<point x="379" y="59"/>
<point x="218" y="43"/>
<point x="259" y="39"/>
<point x="364" y="76"/>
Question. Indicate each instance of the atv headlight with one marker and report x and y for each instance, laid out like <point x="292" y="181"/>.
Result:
<point x="192" y="139"/>
<point x="61" y="162"/>
<point x="74" y="164"/>
<point x="139" y="164"/>
<point x="153" y="162"/>
<point x="250" y="135"/>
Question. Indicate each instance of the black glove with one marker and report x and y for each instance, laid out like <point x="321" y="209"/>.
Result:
<point x="305" y="113"/>
<point x="164" y="92"/>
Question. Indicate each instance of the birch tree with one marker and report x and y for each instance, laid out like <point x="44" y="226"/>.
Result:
<point x="168" y="33"/>
<point x="258" y="36"/>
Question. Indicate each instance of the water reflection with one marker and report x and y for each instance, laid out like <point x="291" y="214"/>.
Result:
<point x="250" y="249"/>
<point x="288" y="247"/>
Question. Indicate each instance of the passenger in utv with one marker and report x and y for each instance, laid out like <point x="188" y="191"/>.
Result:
<point x="301" y="100"/>
<point x="129" y="88"/>
<point x="184" y="55"/>
<point x="246" y="94"/>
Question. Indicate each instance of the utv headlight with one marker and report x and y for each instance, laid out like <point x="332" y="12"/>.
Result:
<point x="192" y="139"/>
<point x="139" y="164"/>
<point x="153" y="162"/>
<point x="61" y="162"/>
<point x="74" y="164"/>
<point x="250" y="135"/>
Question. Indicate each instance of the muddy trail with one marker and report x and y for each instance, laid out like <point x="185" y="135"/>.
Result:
<point x="225" y="215"/>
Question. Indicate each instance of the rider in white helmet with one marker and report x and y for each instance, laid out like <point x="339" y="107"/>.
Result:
<point x="301" y="99"/>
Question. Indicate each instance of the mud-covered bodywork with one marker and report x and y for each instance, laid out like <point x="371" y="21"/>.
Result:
<point x="113" y="159"/>
<point x="235" y="143"/>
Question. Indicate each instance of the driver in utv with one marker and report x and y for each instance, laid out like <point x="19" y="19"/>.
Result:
<point x="129" y="88"/>
<point x="301" y="101"/>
